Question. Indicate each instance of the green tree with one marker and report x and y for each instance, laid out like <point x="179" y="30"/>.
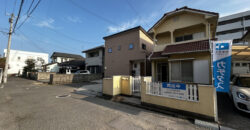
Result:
<point x="2" y="62"/>
<point x="30" y="65"/>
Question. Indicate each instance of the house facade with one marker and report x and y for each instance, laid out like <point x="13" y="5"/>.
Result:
<point x="17" y="60"/>
<point x="182" y="50"/>
<point x="60" y="57"/>
<point x="126" y="53"/>
<point x="95" y="59"/>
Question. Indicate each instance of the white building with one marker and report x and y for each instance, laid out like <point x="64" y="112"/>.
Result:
<point x="17" y="60"/>
<point x="94" y="59"/>
<point x="234" y="27"/>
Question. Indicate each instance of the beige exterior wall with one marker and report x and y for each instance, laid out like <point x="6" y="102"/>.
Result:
<point x="181" y="24"/>
<point x="205" y="106"/>
<point x="117" y="85"/>
<point x="118" y="62"/>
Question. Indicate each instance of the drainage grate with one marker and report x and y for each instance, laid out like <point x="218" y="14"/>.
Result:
<point x="63" y="96"/>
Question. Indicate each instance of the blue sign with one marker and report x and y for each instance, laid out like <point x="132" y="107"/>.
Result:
<point x="180" y="86"/>
<point x="222" y="65"/>
<point x="222" y="46"/>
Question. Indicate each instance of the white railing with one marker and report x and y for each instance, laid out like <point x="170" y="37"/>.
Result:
<point x="187" y="92"/>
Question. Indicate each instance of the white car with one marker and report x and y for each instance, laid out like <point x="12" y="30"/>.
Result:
<point x="82" y="72"/>
<point x="240" y="92"/>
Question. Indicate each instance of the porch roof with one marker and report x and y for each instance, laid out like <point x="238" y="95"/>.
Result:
<point x="196" y="46"/>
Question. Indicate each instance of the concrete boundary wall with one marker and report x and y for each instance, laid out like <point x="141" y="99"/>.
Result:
<point x="206" y="106"/>
<point x="73" y="78"/>
<point x="44" y="75"/>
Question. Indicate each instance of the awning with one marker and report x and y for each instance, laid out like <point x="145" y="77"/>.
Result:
<point x="197" y="46"/>
<point x="240" y="52"/>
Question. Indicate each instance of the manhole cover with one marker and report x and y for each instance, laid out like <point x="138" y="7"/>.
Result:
<point x="63" y="96"/>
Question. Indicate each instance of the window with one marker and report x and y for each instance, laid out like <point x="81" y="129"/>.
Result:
<point x="237" y="64"/>
<point x="143" y="46"/>
<point x="119" y="47"/>
<point x="182" y="71"/>
<point x="184" y="38"/>
<point x="109" y="50"/>
<point x="244" y="64"/>
<point x="135" y="65"/>
<point x="131" y="46"/>
<point x="94" y="54"/>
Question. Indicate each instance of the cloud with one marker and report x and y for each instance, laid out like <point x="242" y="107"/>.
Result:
<point x="74" y="19"/>
<point x="234" y="12"/>
<point x="48" y="23"/>
<point x="132" y="23"/>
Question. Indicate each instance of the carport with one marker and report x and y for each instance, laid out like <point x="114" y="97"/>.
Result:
<point x="240" y="53"/>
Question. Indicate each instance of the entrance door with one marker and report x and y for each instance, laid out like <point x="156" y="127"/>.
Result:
<point x="162" y="72"/>
<point x="142" y="69"/>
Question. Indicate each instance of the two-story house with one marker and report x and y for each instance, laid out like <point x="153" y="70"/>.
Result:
<point x="126" y="53"/>
<point x="95" y="59"/>
<point x="182" y="50"/>
<point x="60" y="57"/>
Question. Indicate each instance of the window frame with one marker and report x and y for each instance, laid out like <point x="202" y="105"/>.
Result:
<point x="110" y="50"/>
<point x="181" y="72"/>
<point x="131" y="46"/>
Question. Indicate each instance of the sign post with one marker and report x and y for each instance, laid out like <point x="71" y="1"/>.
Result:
<point x="222" y="51"/>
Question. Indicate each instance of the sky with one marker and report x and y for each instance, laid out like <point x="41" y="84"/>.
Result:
<point x="72" y="26"/>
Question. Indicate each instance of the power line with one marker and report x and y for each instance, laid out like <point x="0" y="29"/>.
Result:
<point x="18" y="16"/>
<point x="69" y="37"/>
<point x="66" y="48"/>
<point x="92" y="13"/>
<point x="28" y="14"/>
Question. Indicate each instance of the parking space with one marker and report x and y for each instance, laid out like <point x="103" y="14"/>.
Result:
<point x="229" y="116"/>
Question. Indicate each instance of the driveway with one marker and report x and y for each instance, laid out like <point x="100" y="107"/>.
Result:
<point x="230" y="117"/>
<point x="30" y="105"/>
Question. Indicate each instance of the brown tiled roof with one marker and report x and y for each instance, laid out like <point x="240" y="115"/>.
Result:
<point x="196" y="46"/>
<point x="157" y="55"/>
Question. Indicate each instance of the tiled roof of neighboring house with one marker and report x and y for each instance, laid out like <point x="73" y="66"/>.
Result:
<point x="66" y="55"/>
<point x="73" y="63"/>
<point x="95" y="48"/>
<point x="197" y="46"/>
<point x="185" y="8"/>
<point x="128" y="30"/>
<point x="50" y="63"/>
<point x="157" y="55"/>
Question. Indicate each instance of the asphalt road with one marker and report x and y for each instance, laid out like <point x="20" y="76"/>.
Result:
<point x="30" y="105"/>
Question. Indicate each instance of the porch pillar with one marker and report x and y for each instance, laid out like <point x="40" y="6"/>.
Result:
<point x="172" y="37"/>
<point x="153" y="70"/>
<point x="207" y="30"/>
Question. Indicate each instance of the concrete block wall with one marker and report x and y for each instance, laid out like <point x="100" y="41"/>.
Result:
<point x="73" y="78"/>
<point x="44" y="75"/>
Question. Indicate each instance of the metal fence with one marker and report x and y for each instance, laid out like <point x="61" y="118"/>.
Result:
<point x="190" y="92"/>
<point x="136" y="84"/>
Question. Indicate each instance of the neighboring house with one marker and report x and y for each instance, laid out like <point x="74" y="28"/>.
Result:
<point x="51" y="67"/>
<point x="182" y="51"/>
<point x="233" y="27"/>
<point x="95" y="59"/>
<point x="126" y="53"/>
<point x="17" y="60"/>
<point x="71" y="66"/>
<point x="63" y="57"/>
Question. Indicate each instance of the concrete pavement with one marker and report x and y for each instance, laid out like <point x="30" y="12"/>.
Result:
<point x="30" y="105"/>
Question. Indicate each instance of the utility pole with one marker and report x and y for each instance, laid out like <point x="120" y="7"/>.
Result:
<point x="8" y="50"/>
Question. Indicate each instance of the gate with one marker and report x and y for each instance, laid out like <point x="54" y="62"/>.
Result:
<point x="136" y="85"/>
